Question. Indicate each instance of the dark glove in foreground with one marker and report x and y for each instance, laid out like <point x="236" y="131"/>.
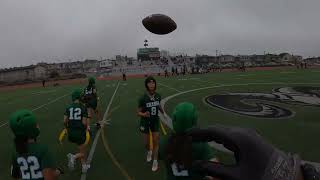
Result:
<point x="310" y="172"/>
<point x="255" y="158"/>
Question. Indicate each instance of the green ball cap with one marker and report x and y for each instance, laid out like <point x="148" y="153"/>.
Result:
<point x="184" y="117"/>
<point x="23" y="124"/>
<point x="76" y="94"/>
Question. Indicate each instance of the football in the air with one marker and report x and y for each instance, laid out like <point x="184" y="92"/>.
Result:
<point x="159" y="24"/>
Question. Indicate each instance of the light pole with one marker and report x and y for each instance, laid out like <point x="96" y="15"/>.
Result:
<point x="145" y="43"/>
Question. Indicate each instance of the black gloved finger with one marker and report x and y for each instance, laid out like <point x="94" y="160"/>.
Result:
<point x="256" y="158"/>
<point x="310" y="172"/>
<point x="218" y="134"/>
<point x="215" y="169"/>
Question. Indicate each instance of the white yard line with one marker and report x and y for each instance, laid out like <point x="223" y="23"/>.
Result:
<point x="95" y="141"/>
<point x="202" y="81"/>
<point x="39" y="107"/>
<point x="168" y="121"/>
<point x="50" y="102"/>
<point x="169" y="87"/>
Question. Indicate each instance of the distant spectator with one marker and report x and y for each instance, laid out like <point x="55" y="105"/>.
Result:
<point x="166" y="73"/>
<point x="124" y="76"/>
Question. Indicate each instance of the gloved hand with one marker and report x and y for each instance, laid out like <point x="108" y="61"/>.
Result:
<point x="255" y="158"/>
<point x="310" y="172"/>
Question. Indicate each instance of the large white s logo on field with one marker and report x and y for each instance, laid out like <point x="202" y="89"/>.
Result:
<point x="304" y="95"/>
<point x="266" y="105"/>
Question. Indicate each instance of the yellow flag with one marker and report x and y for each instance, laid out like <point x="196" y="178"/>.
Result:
<point x="62" y="135"/>
<point x="163" y="129"/>
<point x="150" y="140"/>
<point x="87" y="138"/>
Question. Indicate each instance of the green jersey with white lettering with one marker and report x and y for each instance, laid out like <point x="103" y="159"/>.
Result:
<point x="29" y="166"/>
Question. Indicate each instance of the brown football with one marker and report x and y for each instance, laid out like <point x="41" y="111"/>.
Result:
<point x="159" y="24"/>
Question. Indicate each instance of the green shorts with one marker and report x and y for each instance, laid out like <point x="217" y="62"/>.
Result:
<point x="77" y="136"/>
<point x="152" y="124"/>
<point x="92" y="104"/>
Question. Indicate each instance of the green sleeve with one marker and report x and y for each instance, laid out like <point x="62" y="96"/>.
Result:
<point x="207" y="152"/>
<point x="141" y="102"/>
<point x="47" y="159"/>
<point x="15" y="170"/>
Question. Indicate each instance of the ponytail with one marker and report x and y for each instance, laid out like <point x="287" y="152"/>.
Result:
<point x="179" y="150"/>
<point x="21" y="144"/>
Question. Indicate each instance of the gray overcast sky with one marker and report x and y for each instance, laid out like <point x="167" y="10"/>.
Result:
<point x="40" y="30"/>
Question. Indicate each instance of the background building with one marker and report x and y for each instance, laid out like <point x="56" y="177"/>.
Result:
<point x="146" y="54"/>
<point x="28" y="73"/>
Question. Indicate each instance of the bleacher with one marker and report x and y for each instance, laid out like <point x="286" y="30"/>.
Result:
<point x="148" y="67"/>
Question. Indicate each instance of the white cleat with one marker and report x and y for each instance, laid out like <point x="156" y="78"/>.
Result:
<point x="149" y="156"/>
<point x="71" y="161"/>
<point x="85" y="168"/>
<point x="155" y="165"/>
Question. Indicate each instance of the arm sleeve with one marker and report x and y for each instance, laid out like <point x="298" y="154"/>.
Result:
<point x="47" y="160"/>
<point x="15" y="170"/>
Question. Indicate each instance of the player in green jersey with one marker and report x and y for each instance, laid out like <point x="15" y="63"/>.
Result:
<point x="91" y="99"/>
<point x="148" y="107"/>
<point x="178" y="151"/>
<point x="76" y="122"/>
<point x="31" y="160"/>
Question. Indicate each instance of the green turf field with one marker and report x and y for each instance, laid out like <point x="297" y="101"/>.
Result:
<point x="122" y="139"/>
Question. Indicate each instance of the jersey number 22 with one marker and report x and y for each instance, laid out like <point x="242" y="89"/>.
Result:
<point x="29" y="167"/>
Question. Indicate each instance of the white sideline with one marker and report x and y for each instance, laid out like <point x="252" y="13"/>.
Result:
<point x="95" y="141"/>
<point x="169" y="87"/>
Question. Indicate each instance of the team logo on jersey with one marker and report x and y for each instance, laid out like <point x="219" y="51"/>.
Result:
<point x="152" y="104"/>
<point x="267" y="105"/>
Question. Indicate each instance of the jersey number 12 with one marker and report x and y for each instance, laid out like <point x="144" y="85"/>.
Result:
<point x="75" y="114"/>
